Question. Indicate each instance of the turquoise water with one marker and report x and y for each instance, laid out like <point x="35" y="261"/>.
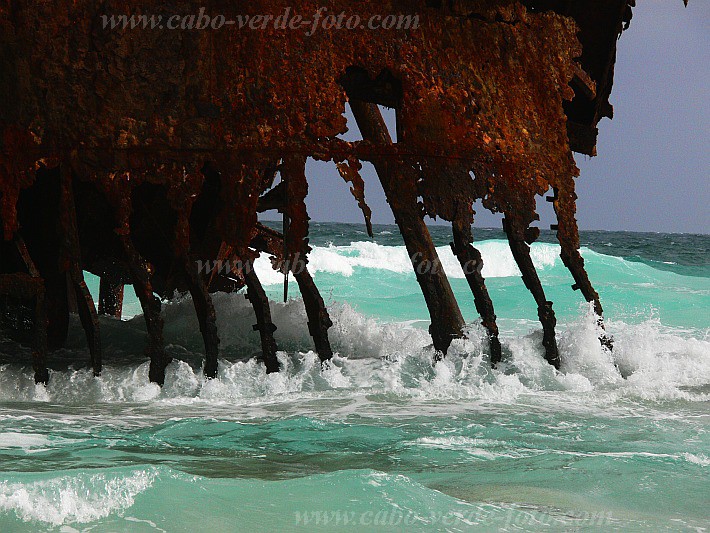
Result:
<point x="380" y="439"/>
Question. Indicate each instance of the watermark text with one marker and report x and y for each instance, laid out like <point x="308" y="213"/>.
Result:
<point x="320" y="20"/>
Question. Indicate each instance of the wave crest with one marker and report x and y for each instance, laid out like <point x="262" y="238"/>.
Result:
<point x="498" y="261"/>
<point x="79" y="498"/>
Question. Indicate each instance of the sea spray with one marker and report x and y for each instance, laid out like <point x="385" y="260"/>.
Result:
<point x="380" y="435"/>
<point x="73" y="498"/>
<point x="647" y="362"/>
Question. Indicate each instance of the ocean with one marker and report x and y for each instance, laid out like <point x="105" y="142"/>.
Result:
<point x="381" y="439"/>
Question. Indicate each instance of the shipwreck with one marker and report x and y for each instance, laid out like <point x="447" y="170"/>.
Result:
<point x="135" y="153"/>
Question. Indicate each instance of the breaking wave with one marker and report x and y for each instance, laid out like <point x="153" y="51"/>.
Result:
<point x="73" y="498"/>
<point x="649" y="361"/>
<point x="343" y="260"/>
<point x="380" y="431"/>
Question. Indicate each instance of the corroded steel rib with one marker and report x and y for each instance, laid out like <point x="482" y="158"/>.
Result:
<point x="271" y="242"/>
<point x="89" y="321"/>
<point x="472" y="265"/>
<point x="30" y="286"/>
<point x="564" y="202"/>
<point x="318" y="318"/>
<point x="296" y="250"/>
<point x="521" y="252"/>
<point x="72" y="258"/>
<point x="206" y="316"/>
<point x="266" y="328"/>
<point x="150" y="304"/>
<point x="399" y="185"/>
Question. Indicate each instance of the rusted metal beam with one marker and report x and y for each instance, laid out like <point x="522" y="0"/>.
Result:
<point x="318" y="318"/>
<point x="517" y="237"/>
<point x="295" y="252"/>
<point x="271" y="242"/>
<point x="266" y="328"/>
<point x="89" y="321"/>
<point x="472" y="264"/>
<point x="155" y="349"/>
<point x="30" y="286"/>
<point x="242" y="274"/>
<point x="564" y="202"/>
<point x="25" y="287"/>
<point x="400" y="189"/>
<point x="206" y="316"/>
<point x="71" y="252"/>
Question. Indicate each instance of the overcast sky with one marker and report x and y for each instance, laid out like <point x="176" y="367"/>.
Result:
<point x="653" y="168"/>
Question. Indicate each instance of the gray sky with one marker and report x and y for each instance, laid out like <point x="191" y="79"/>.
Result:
<point x="653" y="168"/>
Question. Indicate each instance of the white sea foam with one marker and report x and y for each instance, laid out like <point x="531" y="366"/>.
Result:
<point x="25" y="441"/>
<point x="479" y="448"/>
<point x="699" y="459"/>
<point x="79" y="498"/>
<point x="655" y="362"/>
<point x="342" y="260"/>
